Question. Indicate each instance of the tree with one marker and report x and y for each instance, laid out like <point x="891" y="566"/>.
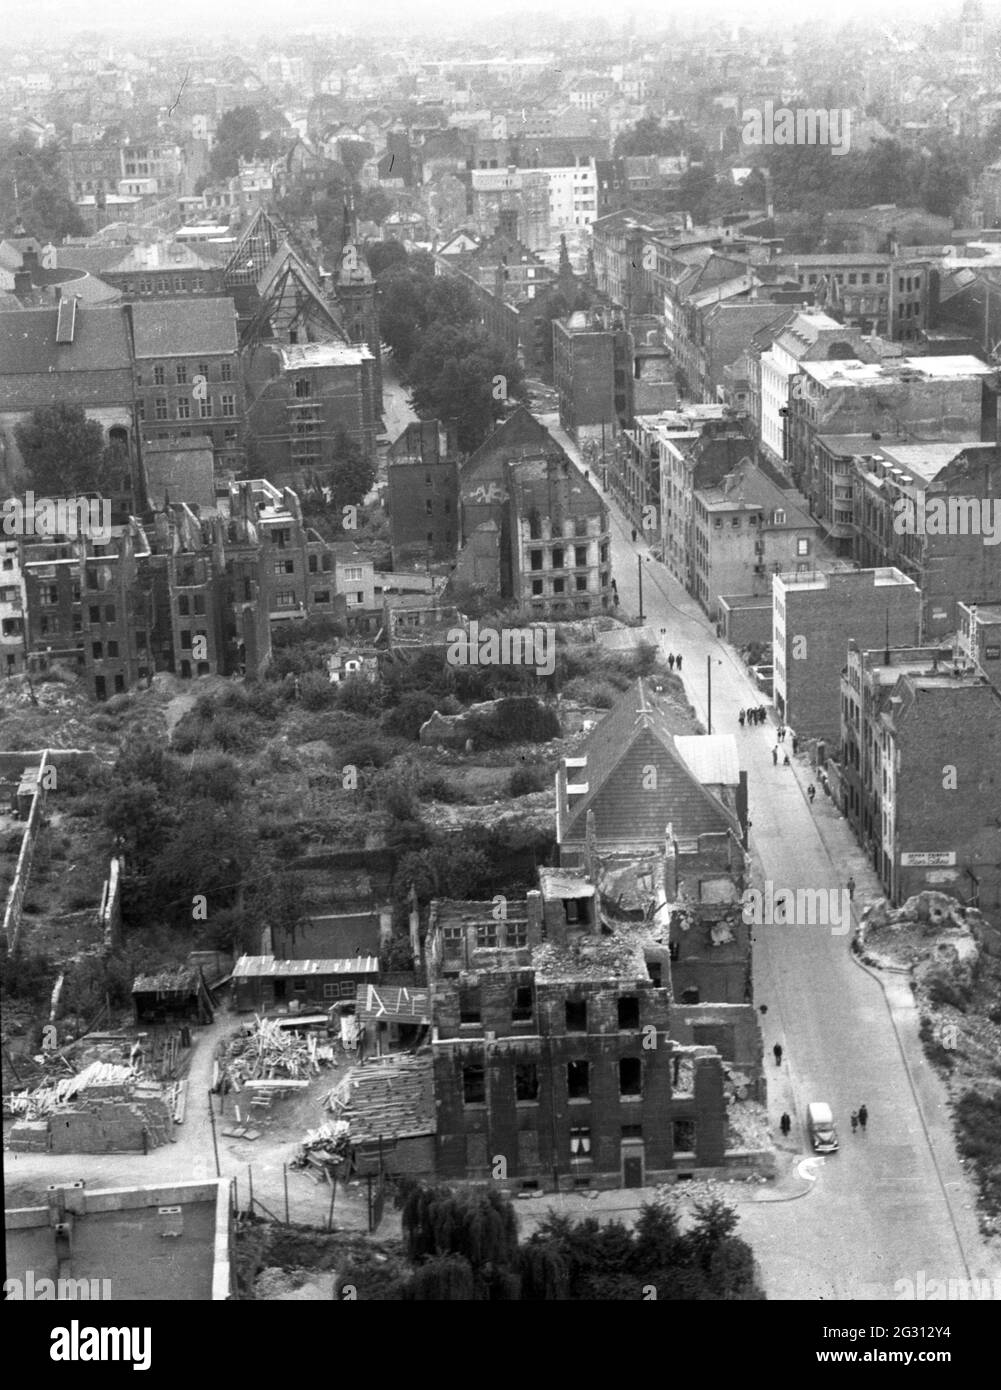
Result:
<point x="351" y="475"/>
<point x="384" y="255"/>
<point x="238" y="136"/>
<point x="464" y="1244"/>
<point x="373" y="205"/>
<point x="403" y="297"/>
<point x="63" y="451"/>
<point x="206" y="857"/>
<point x="136" y="813"/>
<point x="461" y="373"/>
<point x="442" y="871"/>
<point x="648" y="137"/>
<point x="41" y="206"/>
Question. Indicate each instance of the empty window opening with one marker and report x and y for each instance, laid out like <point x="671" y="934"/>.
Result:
<point x="469" y="1004"/>
<point x="578" y="1080"/>
<point x="629" y="1012"/>
<point x="576" y="1016"/>
<point x="526" y="1081"/>
<point x="474" y="1085"/>
<point x="630" y="1076"/>
<point x="684" y="1136"/>
<point x="522" y="1009"/>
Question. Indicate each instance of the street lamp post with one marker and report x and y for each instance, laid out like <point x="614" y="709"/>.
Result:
<point x="639" y="571"/>
<point x="709" y="692"/>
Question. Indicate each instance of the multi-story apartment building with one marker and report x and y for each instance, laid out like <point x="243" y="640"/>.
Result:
<point x="298" y="566"/>
<point x="934" y="398"/>
<point x="593" y="374"/>
<point x="422" y="496"/>
<point x="537" y="1056"/>
<point x="691" y="448"/>
<point x="932" y="510"/>
<point x="747" y="529"/>
<point x="921" y="771"/>
<point x="182" y="594"/>
<point x="858" y="284"/>
<point x="12" y="647"/>
<point x="815" y="616"/>
<point x="560" y="541"/>
<point x="806" y="337"/>
<point x="187" y="372"/>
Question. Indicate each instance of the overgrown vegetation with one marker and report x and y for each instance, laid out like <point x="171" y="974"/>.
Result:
<point x="464" y="1246"/>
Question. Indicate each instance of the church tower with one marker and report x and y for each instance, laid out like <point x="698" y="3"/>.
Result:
<point x="355" y="292"/>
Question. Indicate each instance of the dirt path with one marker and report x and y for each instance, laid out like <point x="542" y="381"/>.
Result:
<point x="191" y="1156"/>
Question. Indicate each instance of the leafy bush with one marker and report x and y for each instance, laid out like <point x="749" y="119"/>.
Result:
<point x="316" y="691"/>
<point x="366" y="752"/>
<point x="525" y="780"/>
<point x="215" y="777"/>
<point x="432" y="786"/>
<point x="27" y="975"/>
<point x="598" y="694"/>
<point x="943" y="989"/>
<point x="978" y="1120"/>
<point x="357" y="696"/>
<point x="406" y="719"/>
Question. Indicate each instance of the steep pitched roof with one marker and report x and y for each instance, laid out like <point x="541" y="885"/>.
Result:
<point x="93" y="369"/>
<point x="635" y="735"/>
<point x="521" y="428"/>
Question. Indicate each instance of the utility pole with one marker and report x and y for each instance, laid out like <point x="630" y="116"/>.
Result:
<point x="639" y="571"/>
<point x="709" y="696"/>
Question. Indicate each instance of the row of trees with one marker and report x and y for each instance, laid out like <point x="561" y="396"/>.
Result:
<point x="464" y="1247"/>
<point x="807" y="179"/>
<point x="456" y="370"/>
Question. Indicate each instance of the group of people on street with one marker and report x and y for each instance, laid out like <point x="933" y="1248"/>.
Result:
<point x="775" y="756"/>
<point x="752" y="716"/>
<point x="860" y="1118"/>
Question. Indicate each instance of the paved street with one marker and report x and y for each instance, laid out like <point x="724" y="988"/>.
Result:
<point x="879" y="1209"/>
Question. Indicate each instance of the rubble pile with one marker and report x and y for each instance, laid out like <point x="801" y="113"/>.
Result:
<point x="106" y="1108"/>
<point x="748" y="1125"/>
<point x="270" y="1052"/>
<point x="323" y="1150"/>
<point x="929" y="931"/>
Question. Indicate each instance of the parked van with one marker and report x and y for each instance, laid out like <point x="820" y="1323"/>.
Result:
<point x="820" y="1123"/>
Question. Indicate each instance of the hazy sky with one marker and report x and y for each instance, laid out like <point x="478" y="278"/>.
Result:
<point x="62" y="18"/>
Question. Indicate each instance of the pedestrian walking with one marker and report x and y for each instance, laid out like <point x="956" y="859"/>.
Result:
<point x="811" y="792"/>
<point x="741" y="717"/>
<point x="781" y="733"/>
<point x="854" y="1121"/>
<point x="850" y="885"/>
<point x="775" y="756"/>
<point x="785" y="760"/>
<point x="663" y="633"/>
<point x="616" y="598"/>
<point x="863" y="1116"/>
<point x="677" y="661"/>
<point x="670" y="660"/>
<point x="795" y="744"/>
<point x="777" y="1050"/>
<point x="785" y="1124"/>
<point x="634" y="533"/>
